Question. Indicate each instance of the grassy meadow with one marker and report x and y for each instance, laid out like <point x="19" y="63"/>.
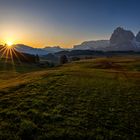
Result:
<point x="87" y="99"/>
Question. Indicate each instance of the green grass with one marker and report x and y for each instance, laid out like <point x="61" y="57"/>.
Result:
<point x="80" y="100"/>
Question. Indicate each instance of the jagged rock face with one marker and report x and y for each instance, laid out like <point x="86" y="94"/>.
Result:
<point x="138" y="37"/>
<point x="127" y="46"/>
<point x="120" y="36"/>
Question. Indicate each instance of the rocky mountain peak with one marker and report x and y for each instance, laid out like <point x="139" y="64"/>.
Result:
<point x="121" y="35"/>
<point x="138" y="37"/>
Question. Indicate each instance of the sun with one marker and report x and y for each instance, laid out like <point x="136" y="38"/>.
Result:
<point x="9" y="43"/>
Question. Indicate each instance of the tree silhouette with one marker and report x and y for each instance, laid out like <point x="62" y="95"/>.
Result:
<point x="37" y="58"/>
<point x="63" y="59"/>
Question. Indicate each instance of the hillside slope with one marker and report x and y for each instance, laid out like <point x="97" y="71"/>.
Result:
<point x="89" y="99"/>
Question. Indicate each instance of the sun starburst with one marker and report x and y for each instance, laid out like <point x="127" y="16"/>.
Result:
<point x="9" y="43"/>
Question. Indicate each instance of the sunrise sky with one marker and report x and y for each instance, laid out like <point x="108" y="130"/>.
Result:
<point x="41" y="23"/>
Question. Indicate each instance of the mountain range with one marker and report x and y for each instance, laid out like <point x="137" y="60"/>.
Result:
<point x="28" y="49"/>
<point x="15" y="55"/>
<point x="40" y="51"/>
<point x="53" y="49"/>
<point x="92" y="45"/>
<point x="120" y="40"/>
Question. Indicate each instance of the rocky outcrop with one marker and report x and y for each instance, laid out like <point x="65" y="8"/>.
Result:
<point x="121" y="36"/>
<point x="124" y="40"/>
<point x="138" y="37"/>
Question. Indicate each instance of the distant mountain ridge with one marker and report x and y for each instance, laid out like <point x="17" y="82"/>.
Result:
<point x="120" y="40"/>
<point x="39" y="51"/>
<point x="53" y="49"/>
<point x="15" y="55"/>
<point x="92" y="45"/>
<point x="27" y="49"/>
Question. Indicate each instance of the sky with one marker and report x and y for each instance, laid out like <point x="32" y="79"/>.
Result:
<point x="40" y="23"/>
